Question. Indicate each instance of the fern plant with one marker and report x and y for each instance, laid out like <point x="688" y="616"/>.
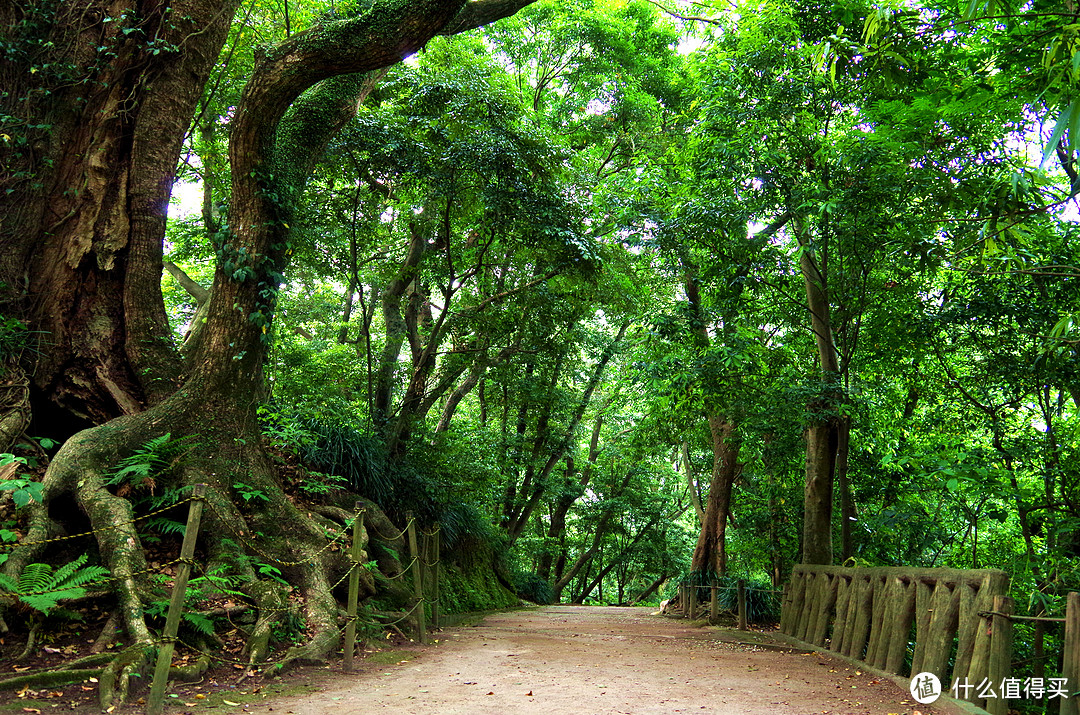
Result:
<point x="140" y="469"/>
<point x="214" y="583"/>
<point x="41" y="588"/>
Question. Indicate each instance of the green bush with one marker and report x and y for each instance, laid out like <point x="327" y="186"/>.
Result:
<point x="360" y="457"/>
<point x="762" y="605"/>
<point x="459" y="521"/>
<point x="531" y="587"/>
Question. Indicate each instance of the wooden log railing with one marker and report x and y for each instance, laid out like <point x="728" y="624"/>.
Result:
<point x="868" y="614"/>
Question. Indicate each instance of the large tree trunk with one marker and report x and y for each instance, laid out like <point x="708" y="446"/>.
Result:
<point x="89" y="234"/>
<point x="817" y="495"/>
<point x="710" y="553"/>
<point x="823" y="435"/>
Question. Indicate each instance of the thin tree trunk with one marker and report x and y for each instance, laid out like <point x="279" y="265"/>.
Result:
<point x="847" y="502"/>
<point x="691" y="482"/>
<point x="571" y="493"/>
<point x="652" y="588"/>
<point x="822" y="437"/>
<point x="568" y="435"/>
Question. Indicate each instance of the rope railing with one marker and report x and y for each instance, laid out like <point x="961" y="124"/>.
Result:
<point x="110" y="527"/>
<point x="403" y="532"/>
<point x="250" y="545"/>
<point x="423" y="559"/>
<point x="688" y="598"/>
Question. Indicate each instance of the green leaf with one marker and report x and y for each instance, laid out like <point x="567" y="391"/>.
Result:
<point x="1063" y="122"/>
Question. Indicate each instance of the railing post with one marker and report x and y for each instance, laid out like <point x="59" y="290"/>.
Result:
<point x="418" y="584"/>
<point x="354" y="585"/>
<point x="714" y="603"/>
<point x="176" y="603"/>
<point x="691" y="600"/>
<point x="741" y="586"/>
<point x="1001" y="636"/>
<point x="437" y="549"/>
<point x="1070" y="668"/>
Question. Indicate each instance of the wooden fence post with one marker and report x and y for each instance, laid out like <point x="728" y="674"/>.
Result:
<point x="1000" y="653"/>
<point x="437" y="549"/>
<point x="418" y="584"/>
<point x="945" y="607"/>
<point x="176" y="603"/>
<point x="355" y="550"/>
<point x="714" y="603"/>
<point x="1071" y="663"/>
<point x="691" y="595"/>
<point x="741" y="586"/>
<point x="789" y="622"/>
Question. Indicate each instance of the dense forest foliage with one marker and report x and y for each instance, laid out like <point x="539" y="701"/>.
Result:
<point x="614" y="292"/>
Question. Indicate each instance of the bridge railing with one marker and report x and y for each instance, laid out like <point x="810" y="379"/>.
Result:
<point x="868" y="614"/>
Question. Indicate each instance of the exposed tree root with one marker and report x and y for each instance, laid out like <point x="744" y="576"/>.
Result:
<point x="115" y="679"/>
<point x="108" y="633"/>
<point x="14" y="404"/>
<point x="50" y="678"/>
<point x="31" y="640"/>
<point x="190" y="673"/>
<point x="270" y="599"/>
<point x="250" y="544"/>
<point x="81" y="670"/>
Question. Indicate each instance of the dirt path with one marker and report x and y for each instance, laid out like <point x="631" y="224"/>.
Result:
<point x="567" y="659"/>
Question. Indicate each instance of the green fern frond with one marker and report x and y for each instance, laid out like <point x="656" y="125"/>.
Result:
<point x="199" y="622"/>
<point x="42" y="589"/>
<point x="168" y="498"/>
<point x="73" y="575"/>
<point x="35" y="577"/>
<point x="151" y="458"/>
<point x="163" y="525"/>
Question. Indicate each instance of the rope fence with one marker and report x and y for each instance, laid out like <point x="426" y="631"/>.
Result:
<point x="687" y="597"/>
<point x="227" y="521"/>
<point x="111" y="527"/>
<point x="423" y="566"/>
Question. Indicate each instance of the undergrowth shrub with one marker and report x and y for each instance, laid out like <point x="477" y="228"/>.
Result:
<point x="360" y="457"/>
<point x="531" y="587"/>
<point x="459" y="520"/>
<point x="762" y="605"/>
